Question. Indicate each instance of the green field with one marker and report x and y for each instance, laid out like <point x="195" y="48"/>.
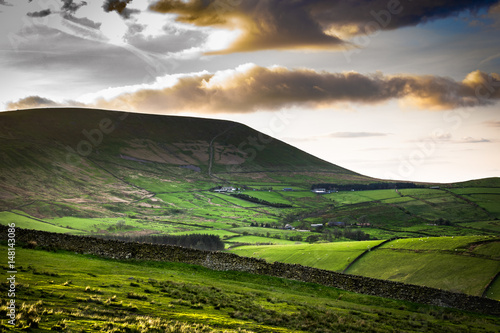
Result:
<point x="493" y="226"/>
<point x="476" y="190"/>
<point x="461" y="244"/>
<point x="461" y="264"/>
<point x="330" y="256"/>
<point x="74" y="293"/>
<point x="29" y="223"/>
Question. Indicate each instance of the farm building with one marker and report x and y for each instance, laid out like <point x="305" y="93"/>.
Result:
<point x="225" y="189"/>
<point x="319" y="190"/>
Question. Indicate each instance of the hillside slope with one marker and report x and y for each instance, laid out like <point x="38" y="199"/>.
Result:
<point x="79" y="154"/>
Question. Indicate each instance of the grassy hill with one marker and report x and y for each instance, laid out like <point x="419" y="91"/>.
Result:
<point x="90" y="163"/>
<point x="62" y="291"/>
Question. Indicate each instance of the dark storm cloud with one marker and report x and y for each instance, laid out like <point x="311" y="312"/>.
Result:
<point x="312" y="24"/>
<point x="41" y="13"/>
<point x="392" y="14"/>
<point x="69" y="7"/>
<point x="120" y="6"/>
<point x="4" y="3"/>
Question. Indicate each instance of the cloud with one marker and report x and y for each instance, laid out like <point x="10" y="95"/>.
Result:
<point x="492" y="123"/>
<point x="469" y="139"/>
<point x="38" y="102"/>
<point x="250" y="88"/>
<point x="69" y="7"/>
<point x="5" y="3"/>
<point x="72" y="7"/>
<point x="355" y="134"/>
<point x="83" y="21"/>
<point x="31" y="102"/>
<point x="335" y="135"/>
<point x="120" y="6"/>
<point x="309" y="24"/>
<point x="42" y="13"/>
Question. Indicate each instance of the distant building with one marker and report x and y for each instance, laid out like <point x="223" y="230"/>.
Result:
<point x="287" y="189"/>
<point x="289" y="227"/>
<point x="225" y="189"/>
<point x="319" y="225"/>
<point x="434" y="187"/>
<point x="319" y="190"/>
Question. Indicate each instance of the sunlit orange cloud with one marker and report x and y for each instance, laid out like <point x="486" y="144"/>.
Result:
<point x="308" y="24"/>
<point x="251" y="88"/>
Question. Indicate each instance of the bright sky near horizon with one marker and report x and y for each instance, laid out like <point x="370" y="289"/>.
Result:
<point x="393" y="89"/>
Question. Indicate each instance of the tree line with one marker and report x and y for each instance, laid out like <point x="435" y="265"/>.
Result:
<point x="260" y="201"/>
<point x="363" y="187"/>
<point x="194" y="241"/>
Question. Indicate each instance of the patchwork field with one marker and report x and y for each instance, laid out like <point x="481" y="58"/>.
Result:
<point x="461" y="264"/>
<point x="466" y="264"/>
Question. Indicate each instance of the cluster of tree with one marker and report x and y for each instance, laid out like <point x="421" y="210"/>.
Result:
<point x="260" y="201"/>
<point x="355" y="234"/>
<point x="264" y="225"/>
<point x="441" y="221"/>
<point x="120" y="225"/>
<point x="195" y="241"/>
<point x="363" y="187"/>
<point x="293" y="217"/>
<point x="337" y="233"/>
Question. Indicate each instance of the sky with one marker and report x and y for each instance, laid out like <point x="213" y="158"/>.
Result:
<point x="392" y="89"/>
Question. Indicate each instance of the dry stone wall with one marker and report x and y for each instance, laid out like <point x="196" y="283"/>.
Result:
<point x="223" y="261"/>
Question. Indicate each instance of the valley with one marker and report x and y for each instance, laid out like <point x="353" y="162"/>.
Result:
<point x="123" y="175"/>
